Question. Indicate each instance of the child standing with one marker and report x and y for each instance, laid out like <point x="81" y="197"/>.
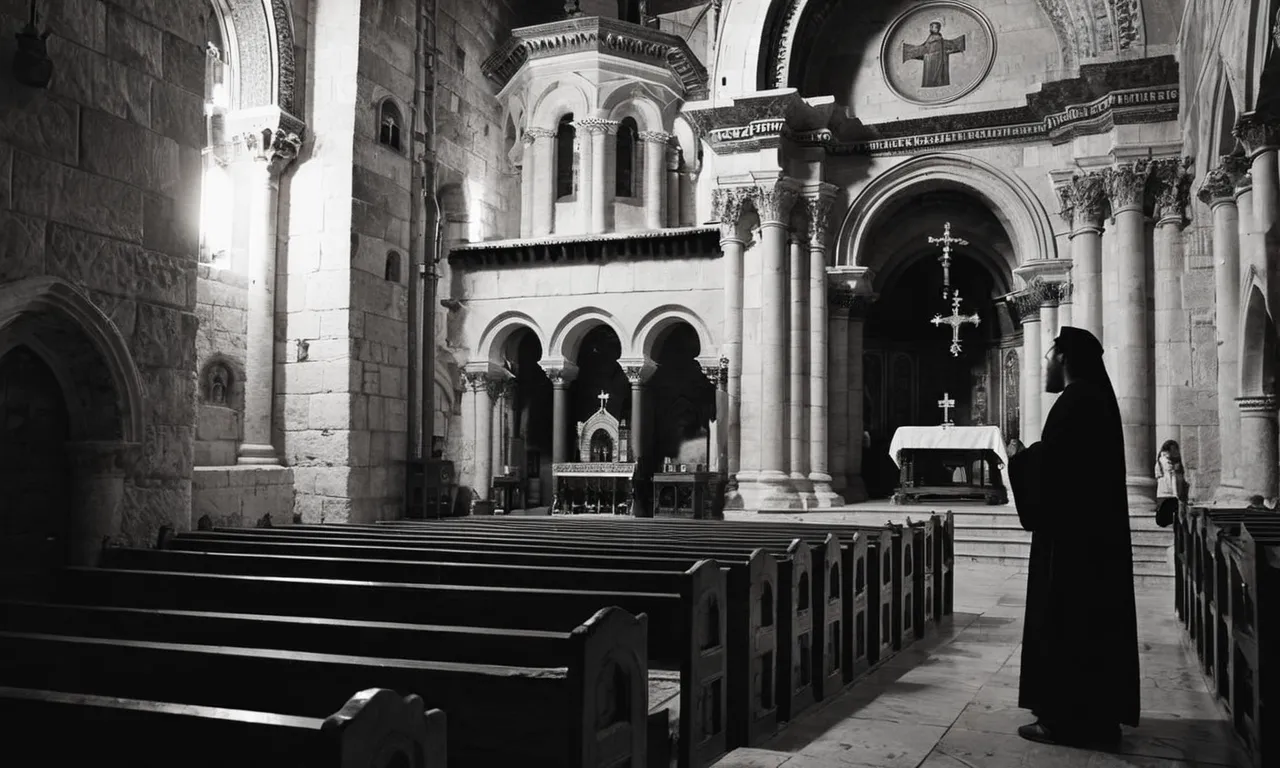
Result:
<point x="1171" y="483"/>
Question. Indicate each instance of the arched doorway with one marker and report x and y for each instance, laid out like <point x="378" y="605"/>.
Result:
<point x="526" y="443"/>
<point x="34" y="474"/>
<point x="680" y="402"/>
<point x="601" y="382"/>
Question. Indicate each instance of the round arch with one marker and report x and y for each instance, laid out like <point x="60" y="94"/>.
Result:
<point x="559" y="99"/>
<point x="1257" y="337"/>
<point x="499" y="330"/>
<point x="1014" y="204"/>
<point x="655" y="323"/>
<point x="645" y="112"/>
<point x="106" y="397"/>
<point x="260" y="42"/>
<point x="569" y="332"/>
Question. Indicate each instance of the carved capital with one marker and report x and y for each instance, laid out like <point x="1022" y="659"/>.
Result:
<point x="561" y="376"/>
<point x="475" y="381"/>
<point x="277" y="148"/>
<point x="534" y="133"/>
<point x="844" y="301"/>
<point x="1064" y="292"/>
<point x="1259" y="404"/>
<point x="1126" y="184"/>
<point x="819" y="220"/>
<point x="1217" y="188"/>
<point x="727" y="202"/>
<point x="1066" y="201"/>
<point x="1088" y="198"/>
<point x="1257" y="133"/>
<point x="1025" y="305"/>
<point x="773" y="202"/>
<point x="634" y="374"/>
<point x="718" y="374"/>
<point x="595" y="125"/>
<point x="655" y="137"/>
<point x="1238" y="167"/>
<point x="1173" y="189"/>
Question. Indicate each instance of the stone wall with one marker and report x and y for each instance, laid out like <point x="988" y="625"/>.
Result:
<point x="220" y="348"/>
<point x="99" y="185"/>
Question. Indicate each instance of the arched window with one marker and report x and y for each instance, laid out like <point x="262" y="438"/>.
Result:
<point x="216" y="204"/>
<point x="566" y="135"/>
<point x="625" y="158"/>
<point x="392" y="272"/>
<point x="389" y="125"/>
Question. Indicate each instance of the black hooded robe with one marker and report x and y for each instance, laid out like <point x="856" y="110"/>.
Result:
<point x="1080" y="639"/>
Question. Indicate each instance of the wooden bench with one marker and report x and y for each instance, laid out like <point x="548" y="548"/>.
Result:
<point x="751" y="586"/>
<point x="375" y="729"/>
<point x="689" y="618"/>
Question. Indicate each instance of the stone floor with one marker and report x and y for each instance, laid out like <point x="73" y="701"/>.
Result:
<point x="952" y="702"/>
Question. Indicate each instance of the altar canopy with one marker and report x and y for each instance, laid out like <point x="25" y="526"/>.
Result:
<point x="954" y="439"/>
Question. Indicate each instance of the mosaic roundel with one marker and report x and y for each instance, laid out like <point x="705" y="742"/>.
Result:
<point x="937" y="52"/>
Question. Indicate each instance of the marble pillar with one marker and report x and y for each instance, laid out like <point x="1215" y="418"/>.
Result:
<point x="717" y="454"/>
<point x="560" y="377"/>
<point x="1129" y="354"/>
<point x="1026" y="306"/>
<point x="1066" y="307"/>
<point x="1048" y="332"/>
<point x="543" y="180"/>
<point x="589" y="186"/>
<point x="1261" y="140"/>
<point x="673" y="187"/>
<point x="819" y="468"/>
<point x="655" y="177"/>
<point x="270" y="154"/>
<point x="482" y="419"/>
<point x="728" y="209"/>
<point x="1172" y="353"/>
<point x="600" y="192"/>
<point x="1258" y="436"/>
<point x="527" y="176"/>
<point x="1087" y="201"/>
<point x="855" y="488"/>
<point x="1219" y="193"/>
<point x="840" y="300"/>
<point x="798" y="348"/>
<point x="467" y="472"/>
<point x="98" y="472"/>
<point x="637" y="375"/>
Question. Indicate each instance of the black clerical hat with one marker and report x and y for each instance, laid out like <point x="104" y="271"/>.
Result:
<point x="1077" y="343"/>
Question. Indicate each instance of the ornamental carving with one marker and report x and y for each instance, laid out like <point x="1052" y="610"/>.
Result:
<point x="276" y="148"/>
<point x="718" y="375"/>
<point x="595" y="125"/>
<point x="559" y="376"/>
<point x="634" y="374"/>
<point x="1217" y="187"/>
<point x="475" y="381"/>
<point x="1126" y="184"/>
<point x="1238" y="167"/>
<point x="1257" y="404"/>
<point x="1064" y="292"/>
<point x="1174" y="186"/>
<point x="1089" y="197"/>
<point x="1257" y="133"/>
<point x="727" y="202"/>
<point x="773" y="202"/>
<point x="1025" y="305"/>
<point x="819" y="220"/>
<point x="843" y="300"/>
<point x="655" y="137"/>
<point x="533" y="133"/>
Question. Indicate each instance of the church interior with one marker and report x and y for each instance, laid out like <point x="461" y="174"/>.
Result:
<point x="478" y="283"/>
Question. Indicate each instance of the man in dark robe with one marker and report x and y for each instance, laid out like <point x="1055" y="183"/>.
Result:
<point x="935" y="52"/>
<point x="1080" y="641"/>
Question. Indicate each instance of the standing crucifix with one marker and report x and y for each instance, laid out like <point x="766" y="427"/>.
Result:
<point x="946" y="404"/>
<point x="945" y="259"/>
<point x="955" y="321"/>
<point x="603" y="397"/>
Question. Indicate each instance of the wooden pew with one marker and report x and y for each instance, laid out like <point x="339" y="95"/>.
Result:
<point x="376" y="728"/>
<point x="685" y="645"/>
<point x="493" y="721"/>
<point x="751" y="589"/>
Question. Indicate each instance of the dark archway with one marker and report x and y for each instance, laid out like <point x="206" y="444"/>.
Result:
<point x="34" y="474"/>
<point x="529" y="441"/>
<point x="680" y="401"/>
<point x="599" y="375"/>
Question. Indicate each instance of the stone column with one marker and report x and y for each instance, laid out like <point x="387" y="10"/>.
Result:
<point x="718" y="375"/>
<point x="504" y="429"/>
<point x="1086" y="200"/>
<point x="1171" y="333"/>
<point x="543" y="180"/>
<point x="1048" y="332"/>
<point x="528" y="186"/>
<point x="1261" y="140"/>
<point x="1218" y="192"/>
<point x="819" y="468"/>
<point x="655" y="177"/>
<point x="482" y="437"/>
<point x="673" y="187"/>
<point x="1026" y="305"/>
<point x="467" y="473"/>
<point x="1066" y="306"/>
<point x="798" y="389"/>
<point x="637" y="375"/>
<point x="560" y="377"/>
<point x="855" y="488"/>
<point x="840" y="302"/>
<point x="271" y="154"/>
<point x="773" y="202"/>
<point x="595" y="185"/>
<point x="98" y="471"/>
<point x="728" y="208"/>
<point x="588" y="185"/>
<point x="1258" y="436"/>
<point x="1129" y="355"/>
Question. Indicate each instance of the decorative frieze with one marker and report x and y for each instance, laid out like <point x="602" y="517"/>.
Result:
<point x="1126" y="184"/>
<point x="593" y="125"/>
<point x="655" y="137"/>
<point x="1258" y="134"/>
<point x="1267" y="404"/>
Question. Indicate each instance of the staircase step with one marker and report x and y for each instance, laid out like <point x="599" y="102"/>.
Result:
<point x="1145" y="572"/>
<point x="1014" y="532"/>
<point x="1002" y="547"/>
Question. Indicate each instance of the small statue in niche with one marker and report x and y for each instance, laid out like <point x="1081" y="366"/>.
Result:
<point x="219" y="384"/>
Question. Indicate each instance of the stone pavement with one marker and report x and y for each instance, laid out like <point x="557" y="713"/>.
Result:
<point x="952" y="702"/>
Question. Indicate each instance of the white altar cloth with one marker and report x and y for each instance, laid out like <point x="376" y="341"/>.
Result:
<point x="953" y="438"/>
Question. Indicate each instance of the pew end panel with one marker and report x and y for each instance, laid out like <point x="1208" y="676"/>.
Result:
<point x="882" y="595"/>
<point x="858" y="622"/>
<point x="704" y="670"/>
<point x="828" y="601"/>
<point x="378" y="728"/>
<point x="916" y="543"/>
<point x="795" y="668"/>
<point x="757" y="673"/>
<point x="902" y="582"/>
<point x="611" y="689"/>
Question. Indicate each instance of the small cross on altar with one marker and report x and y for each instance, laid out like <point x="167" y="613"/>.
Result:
<point x="603" y="397"/>
<point x="945" y="259"/>
<point x="946" y="404"/>
<point x="955" y="321"/>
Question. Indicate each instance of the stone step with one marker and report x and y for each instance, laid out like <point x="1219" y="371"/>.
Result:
<point x="1014" y="532"/>
<point x="1009" y="547"/>
<point x="1145" y="572"/>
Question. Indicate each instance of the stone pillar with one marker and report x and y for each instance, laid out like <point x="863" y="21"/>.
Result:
<point x="1258" y="436"/>
<point x="855" y="488"/>
<point x="482" y="437"/>
<point x="504" y="426"/>
<point x="819" y="468"/>
<point x="589" y="187"/>
<point x="543" y="180"/>
<point x="728" y="207"/>
<point x="599" y="191"/>
<point x="840" y="302"/>
<point x="528" y="174"/>
<point x="467" y="473"/>
<point x="798" y="347"/>
<point x="655" y="177"/>
<point x="560" y="378"/>
<point x="1086" y="199"/>
<point x="1129" y="354"/>
<point x="1026" y="305"/>
<point x="718" y="375"/>
<point x="773" y="202"/>
<point x="1261" y="140"/>
<point x="98" y="471"/>
<point x="271" y="153"/>
<point x="1048" y="332"/>
<point x="1218" y="192"/>
<point x="1066" y="306"/>
<point x="1171" y="332"/>
<point x="637" y="374"/>
<point x="673" y="187"/>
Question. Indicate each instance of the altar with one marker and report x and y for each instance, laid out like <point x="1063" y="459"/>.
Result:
<point x="950" y="462"/>
<point x="602" y="481"/>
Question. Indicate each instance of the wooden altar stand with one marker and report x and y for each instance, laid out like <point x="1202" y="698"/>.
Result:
<point x="950" y="462"/>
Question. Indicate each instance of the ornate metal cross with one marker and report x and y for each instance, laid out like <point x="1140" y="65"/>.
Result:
<point x="945" y="259"/>
<point x="603" y="397"/>
<point x="946" y="404"/>
<point x="955" y="321"/>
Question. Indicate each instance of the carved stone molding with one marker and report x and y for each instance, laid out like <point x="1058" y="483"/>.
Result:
<point x="635" y="374"/>
<point x="655" y="137"/>
<point x="1217" y="188"/>
<point x="1262" y="404"/>
<point x="1085" y="198"/>
<point x="844" y="301"/>
<point x="1064" y="292"/>
<point x="718" y="374"/>
<point x="533" y="133"/>
<point x="727" y="202"/>
<point x="1173" y="191"/>
<point x="1025" y="305"/>
<point x="595" y="125"/>
<point x="1126" y="184"/>
<point x="475" y="381"/>
<point x="1257" y="134"/>
<point x="819" y="220"/>
<point x="773" y="202"/>
<point x="277" y="148"/>
<point x="1238" y="167"/>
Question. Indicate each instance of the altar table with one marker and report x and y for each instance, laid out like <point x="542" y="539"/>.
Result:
<point x="950" y="462"/>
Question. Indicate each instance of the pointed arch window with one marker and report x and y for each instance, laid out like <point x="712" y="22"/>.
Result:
<point x="390" y="124"/>
<point x="625" y="158"/>
<point x="566" y="136"/>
